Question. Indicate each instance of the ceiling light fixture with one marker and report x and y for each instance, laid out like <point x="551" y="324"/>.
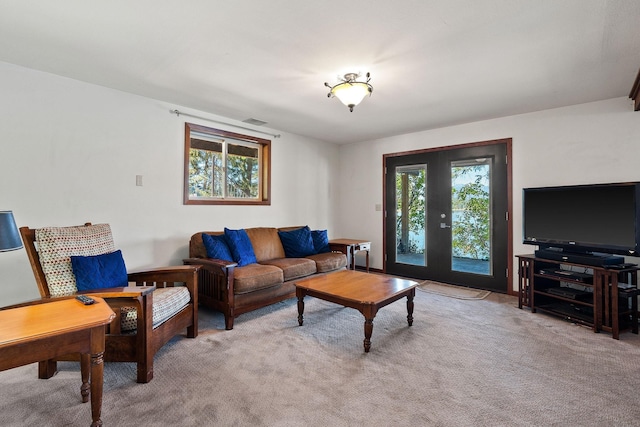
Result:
<point x="350" y="92"/>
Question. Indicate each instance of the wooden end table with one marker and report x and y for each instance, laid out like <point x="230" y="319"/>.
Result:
<point x="44" y="331"/>
<point x="349" y="247"/>
<point x="365" y="292"/>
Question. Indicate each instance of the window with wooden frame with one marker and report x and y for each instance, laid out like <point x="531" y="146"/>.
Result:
<point x="225" y="168"/>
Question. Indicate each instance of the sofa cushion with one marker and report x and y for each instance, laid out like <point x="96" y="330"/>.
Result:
<point x="266" y="243"/>
<point x="241" y="247"/>
<point x="320" y="241"/>
<point x="254" y="277"/>
<point x="217" y="247"/>
<point x="329" y="261"/>
<point x="297" y="243"/>
<point x="294" y="268"/>
<point x="99" y="271"/>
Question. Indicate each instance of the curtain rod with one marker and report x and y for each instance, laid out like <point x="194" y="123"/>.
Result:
<point x="178" y="113"/>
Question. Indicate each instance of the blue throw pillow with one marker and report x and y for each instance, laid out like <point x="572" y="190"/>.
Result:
<point x="216" y="246"/>
<point x="297" y="243"/>
<point x="320" y="241"/>
<point x="240" y="246"/>
<point x="99" y="271"/>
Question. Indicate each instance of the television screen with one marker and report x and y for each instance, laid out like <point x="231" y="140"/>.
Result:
<point x="599" y="218"/>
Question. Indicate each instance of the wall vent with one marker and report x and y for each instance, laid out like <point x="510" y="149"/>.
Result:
<point x="254" y="122"/>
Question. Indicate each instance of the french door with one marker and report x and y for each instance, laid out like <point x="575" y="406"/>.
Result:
<point x="447" y="215"/>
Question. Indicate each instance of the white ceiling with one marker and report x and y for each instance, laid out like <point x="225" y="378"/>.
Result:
<point x="433" y="63"/>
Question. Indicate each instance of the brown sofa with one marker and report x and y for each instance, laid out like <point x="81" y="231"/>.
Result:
<point x="233" y="290"/>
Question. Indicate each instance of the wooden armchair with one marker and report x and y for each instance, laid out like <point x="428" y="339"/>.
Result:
<point x="148" y="313"/>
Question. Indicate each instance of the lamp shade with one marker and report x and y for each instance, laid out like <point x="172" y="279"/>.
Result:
<point x="351" y="94"/>
<point x="350" y="91"/>
<point x="9" y="235"/>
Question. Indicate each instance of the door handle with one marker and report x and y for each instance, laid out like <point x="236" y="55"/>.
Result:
<point x="444" y="225"/>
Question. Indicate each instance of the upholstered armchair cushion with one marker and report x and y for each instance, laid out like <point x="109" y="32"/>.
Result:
<point x="166" y="302"/>
<point x="57" y="244"/>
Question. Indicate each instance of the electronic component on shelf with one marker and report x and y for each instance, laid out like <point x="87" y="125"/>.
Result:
<point x="569" y="293"/>
<point x="567" y="274"/>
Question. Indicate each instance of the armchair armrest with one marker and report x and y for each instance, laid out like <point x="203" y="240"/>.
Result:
<point x="140" y="297"/>
<point x="167" y="276"/>
<point x="124" y="292"/>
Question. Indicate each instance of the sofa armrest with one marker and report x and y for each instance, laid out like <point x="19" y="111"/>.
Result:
<point x="215" y="284"/>
<point x="217" y="267"/>
<point x="210" y="263"/>
<point x="178" y="273"/>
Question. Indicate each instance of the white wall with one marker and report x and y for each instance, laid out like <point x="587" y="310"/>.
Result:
<point x="587" y="143"/>
<point x="70" y="153"/>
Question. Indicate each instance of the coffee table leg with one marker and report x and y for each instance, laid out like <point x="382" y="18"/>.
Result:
<point x="410" y="306"/>
<point x="368" y="330"/>
<point x="300" y="306"/>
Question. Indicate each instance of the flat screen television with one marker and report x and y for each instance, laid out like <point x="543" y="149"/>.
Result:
<point x="583" y="219"/>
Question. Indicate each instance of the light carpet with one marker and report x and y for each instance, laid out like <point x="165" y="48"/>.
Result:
<point x="452" y="291"/>
<point x="462" y="363"/>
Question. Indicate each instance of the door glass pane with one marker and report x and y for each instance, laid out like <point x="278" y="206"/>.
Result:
<point x="411" y="211"/>
<point x="471" y="216"/>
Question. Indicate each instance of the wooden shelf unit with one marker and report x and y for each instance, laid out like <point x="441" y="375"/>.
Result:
<point x="609" y="301"/>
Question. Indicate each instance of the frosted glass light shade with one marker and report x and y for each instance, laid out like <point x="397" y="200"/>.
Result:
<point x="351" y="94"/>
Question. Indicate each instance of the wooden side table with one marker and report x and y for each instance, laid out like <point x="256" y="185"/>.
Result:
<point x="349" y="247"/>
<point x="44" y="331"/>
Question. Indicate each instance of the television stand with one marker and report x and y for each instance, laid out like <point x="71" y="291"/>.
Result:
<point x="584" y="258"/>
<point x="609" y="301"/>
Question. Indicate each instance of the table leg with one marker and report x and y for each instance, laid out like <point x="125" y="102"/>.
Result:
<point x="615" y="325"/>
<point x="368" y="330"/>
<point x="97" y="372"/>
<point x="85" y="373"/>
<point x="352" y="251"/>
<point x="367" y="260"/>
<point x="300" y="295"/>
<point x="369" y="312"/>
<point x="410" y="306"/>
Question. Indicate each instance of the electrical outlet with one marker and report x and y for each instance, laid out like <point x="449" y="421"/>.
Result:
<point x="139" y="180"/>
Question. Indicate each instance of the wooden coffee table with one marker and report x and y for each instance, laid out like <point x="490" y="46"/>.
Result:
<point x="365" y="292"/>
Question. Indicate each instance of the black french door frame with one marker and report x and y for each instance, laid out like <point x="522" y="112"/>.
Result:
<point x="438" y="161"/>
